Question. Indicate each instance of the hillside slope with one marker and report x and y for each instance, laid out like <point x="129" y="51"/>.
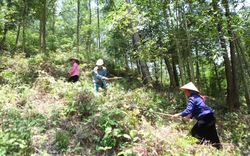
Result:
<point x="42" y="114"/>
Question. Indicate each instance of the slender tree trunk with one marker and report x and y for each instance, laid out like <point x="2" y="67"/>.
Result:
<point x="17" y="34"/>
<point x="77" y="26"/>
<point x="217" y="76"/>
<point x="44" y="26"/>
<point x="175" y="71"/>
<point x="5" y="30"/>
<point x="40" y="33"/>
<point x="170" y="72"/>
<point x="88" y="40"/>
<point x="54" y="19"/>
<point x="190" y="57"/>
<point x="24" y="36"/>
<point x="156" y="73"/>
<point x="236" y="99"/>
<point x="198" y="74"/>
<point x="19" y="24"/>
<point x="98" y="26"/>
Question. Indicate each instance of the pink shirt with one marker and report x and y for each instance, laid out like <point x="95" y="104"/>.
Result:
<point x="74" y="70"/>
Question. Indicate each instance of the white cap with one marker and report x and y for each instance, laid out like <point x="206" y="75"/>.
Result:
<point x="99" y="62"/>
<point x="190" y="86"/>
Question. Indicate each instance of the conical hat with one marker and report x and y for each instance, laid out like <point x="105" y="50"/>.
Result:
<point x="189" y="86"/>
<point x="73" y="58"/>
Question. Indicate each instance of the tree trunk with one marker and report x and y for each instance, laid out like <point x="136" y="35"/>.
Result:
<point x="98" y="26"/>
<point x="190" y="57"/>
<point x="233" y="57"/>
<point x="44" y="26"/>
<point x="241" y="52"/>
<point x="40" y="33"/>
<point x="19" y="24"/>
<point x="170" y="71"/>
<point x="230" y="92"/>
<point x="77" y="26"/>
<point x="17" y="34"/>
<point x="198" y="74"/>
<point x="88" y="40"/>
<point x="242" y="74"/>
<point x="146" y="77"/>
<point x="4" y="35"/>
<point x="181" y="67"/>
<point x="173" y="82"/>
<point x="54" y="19"/>
<point x="24" y="37"/>
<point x="217" y="76"/>
<point x="175" y="72"/>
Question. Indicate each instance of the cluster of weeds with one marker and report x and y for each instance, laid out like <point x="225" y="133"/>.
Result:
<point x="235" y="129"/>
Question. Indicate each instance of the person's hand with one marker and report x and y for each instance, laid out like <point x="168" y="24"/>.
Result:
<point x="188" y="117"/>
<point x="105" y="78"/>
<point x="176" y="115"/>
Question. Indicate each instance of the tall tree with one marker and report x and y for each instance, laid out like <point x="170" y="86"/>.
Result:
<point x="236" y="99"/>
<point x="243" y="74"/>
<point x="22" y="21"/>
<point x="89" y="32"/>
<point x="230" y="88"/>
<point x="146" y="77"/>
<point x="173" y="81"/>
<point x="188" y="48"/>
<point x="42" y="32"/>
<point x="177" y="43"/>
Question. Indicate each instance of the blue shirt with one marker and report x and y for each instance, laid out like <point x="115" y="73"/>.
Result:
<point x="99" y="74"/>
<point x="197" y="107"/>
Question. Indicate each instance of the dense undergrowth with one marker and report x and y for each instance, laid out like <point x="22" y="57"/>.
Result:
<point x="42" y="114"/>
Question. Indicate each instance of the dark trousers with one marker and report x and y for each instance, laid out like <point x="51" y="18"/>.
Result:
<point x="73" y="78"/>
<point x="205" y="130"/>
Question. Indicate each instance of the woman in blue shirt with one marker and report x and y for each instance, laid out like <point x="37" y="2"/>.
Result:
<point x="204" y="129"/>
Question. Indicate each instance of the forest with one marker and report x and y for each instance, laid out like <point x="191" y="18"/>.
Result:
<point x="150" y="49"/>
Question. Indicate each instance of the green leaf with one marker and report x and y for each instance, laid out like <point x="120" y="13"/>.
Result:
<point x="108" y="130"/>
<point x="127" y="136"/>
<point x="133" y="133"/>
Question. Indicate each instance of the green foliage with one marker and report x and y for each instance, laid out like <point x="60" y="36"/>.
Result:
<point x="239" y="134"/>
<point x="15" y="134"/>
<point x="111" y="128"/>
<point x="61" y="140"/>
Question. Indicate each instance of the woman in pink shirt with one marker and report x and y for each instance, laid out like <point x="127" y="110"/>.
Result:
<point x="74" y="76"/>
